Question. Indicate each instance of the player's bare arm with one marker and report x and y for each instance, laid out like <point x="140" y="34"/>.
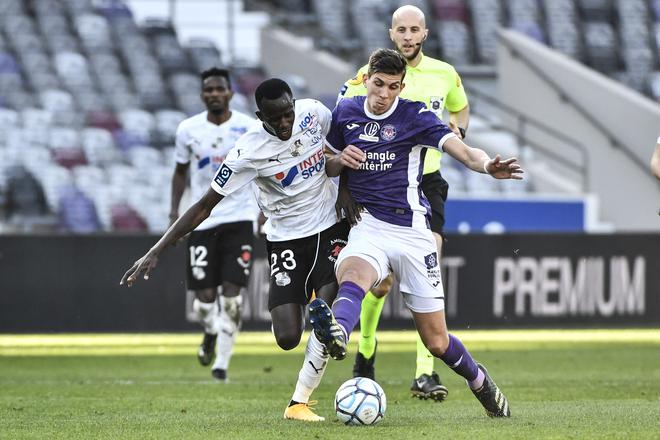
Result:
<point x="186" y="223"/>
<point x="351" y="157"/>
<point x="477" y="160"/>
<point x="458" y="121"/>
<point x="179" y="183"/>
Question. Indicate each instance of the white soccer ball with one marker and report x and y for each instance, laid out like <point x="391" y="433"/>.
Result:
<point x="360" y="401"/>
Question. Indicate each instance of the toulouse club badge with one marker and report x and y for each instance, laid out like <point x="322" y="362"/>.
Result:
<point x="388" y="132"/>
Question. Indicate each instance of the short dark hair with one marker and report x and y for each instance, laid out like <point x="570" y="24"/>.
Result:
<point x="387" y="61"/>
<point x="272" y="88"/>
<point x="216" y="71"/>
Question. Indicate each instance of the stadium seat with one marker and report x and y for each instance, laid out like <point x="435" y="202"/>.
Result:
<point x="487" y="16"/>
<point x="455" y="43"/>
<point x="77" y="212"/>
<point x="450" y="10"/>
<point x="125" y="218"/>
<point x="203" y="53"/>
<point x="25" y="195"/>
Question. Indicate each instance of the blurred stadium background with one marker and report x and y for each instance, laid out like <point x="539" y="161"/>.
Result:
<point x="91" y="93"/>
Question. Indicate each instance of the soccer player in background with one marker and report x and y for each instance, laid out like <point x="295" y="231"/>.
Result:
<point x="436" y="84"/>
<point x="655" y="160"/>
<point x="381" y="142"/>
<point x="220" y="248"/>
<point x="284" y="157"/>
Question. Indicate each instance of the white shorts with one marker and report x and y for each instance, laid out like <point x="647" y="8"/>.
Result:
<point x="411" y="254"/>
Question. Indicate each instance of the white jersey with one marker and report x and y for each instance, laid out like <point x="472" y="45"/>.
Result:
<point x="205" y="145"/>
<point x="295" y="194"/>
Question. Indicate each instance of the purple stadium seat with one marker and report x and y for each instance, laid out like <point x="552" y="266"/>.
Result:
<point x="8" y="63"/>
<point x="532" y="30"/>
<point x="113" y="9"/>
<point x="77" y="212"/>
<point x="103" y="119"/>
<point x="454" y="10"/>
<point x="124" y="218"/>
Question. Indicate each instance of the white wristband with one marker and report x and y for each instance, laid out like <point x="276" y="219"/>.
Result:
<point x="486" y="169"/>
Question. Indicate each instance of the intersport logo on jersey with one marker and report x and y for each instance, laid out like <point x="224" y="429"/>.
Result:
<point x="307" y="168"/>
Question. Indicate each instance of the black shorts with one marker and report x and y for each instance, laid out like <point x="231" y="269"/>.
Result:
<point x="300" y="266"/>
<point x="219" y="254"/>
<point x="435" y="189"/>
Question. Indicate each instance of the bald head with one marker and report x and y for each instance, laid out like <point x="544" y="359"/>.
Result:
<point x="408" y="14"/>
<point x="409" y="32"/>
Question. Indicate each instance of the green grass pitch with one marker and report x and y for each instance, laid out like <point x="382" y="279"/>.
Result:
<point x="561" y="384"/>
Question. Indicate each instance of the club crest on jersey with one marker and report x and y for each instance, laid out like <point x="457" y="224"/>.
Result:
<point x="223" y="175"/>
<point x="296" y="148"/>
<point x="388" y="132"/>
<point x="370" y="132"/>
<point x="435" y="103"/>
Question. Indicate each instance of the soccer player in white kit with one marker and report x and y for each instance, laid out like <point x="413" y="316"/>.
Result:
<point x="220" y="249"/>
<point x="382" y="142"/>
<point x="284" y="157"/>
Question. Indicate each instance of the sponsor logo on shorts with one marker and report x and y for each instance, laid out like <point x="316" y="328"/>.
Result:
<point x="431" y="260"/>
<point x="432" y="268"/>
<point x="245" y="258"/>
<point x="198" y="273"/>
<point x="282" y="279"/>
<point x="336" y="245"/>
<point x="223" y="175"/>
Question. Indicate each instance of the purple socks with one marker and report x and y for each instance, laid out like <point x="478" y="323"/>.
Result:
<point x="459" y="359"/>
<point x="347" y="306"/>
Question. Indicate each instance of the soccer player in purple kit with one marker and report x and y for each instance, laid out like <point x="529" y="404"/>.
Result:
<point x="381" y="142"/>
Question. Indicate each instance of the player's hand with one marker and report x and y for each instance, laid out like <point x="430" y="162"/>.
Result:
<point x="145" y="264"/>
<point x="347" y="204"/>
<point x="352" y="157"/>
<point x="504" y="169"/>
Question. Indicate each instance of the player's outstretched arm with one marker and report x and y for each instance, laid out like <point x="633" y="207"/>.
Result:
<point x="477" y="160"/>
<point x="186" y="223"/>
<point x="351" y="157"/>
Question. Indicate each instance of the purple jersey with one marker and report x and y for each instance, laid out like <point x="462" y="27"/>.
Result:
<point x="387" y="184"/>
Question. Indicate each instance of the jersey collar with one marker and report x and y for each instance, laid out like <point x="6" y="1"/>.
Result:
<point x="384" y="115"/>
<point x="419" y="65"/>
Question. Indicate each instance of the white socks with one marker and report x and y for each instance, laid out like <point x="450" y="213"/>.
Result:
<point x="229" y="322"/>
<point x="312" y="370"/>
<point x="207" y="314"/>
<point x="478" y="381"/>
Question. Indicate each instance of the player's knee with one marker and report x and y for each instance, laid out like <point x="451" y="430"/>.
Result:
<point x="383" y="288"/>
<point x="438" y="346"/>
<point x="287" y="340"/>
<point x="206" y="295"/>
